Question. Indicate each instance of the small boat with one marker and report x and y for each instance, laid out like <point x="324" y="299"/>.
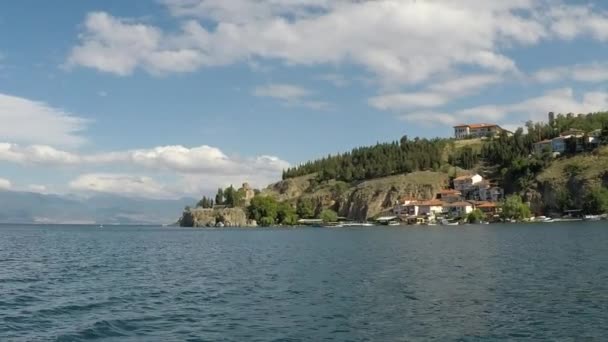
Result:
<point x="394" y="223"/>
<point x="592" y="217"/>
<point x="445" y="222"/>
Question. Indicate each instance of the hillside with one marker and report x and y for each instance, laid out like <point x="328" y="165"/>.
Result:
<point x="564" y="184"/>
<point x="362" y="200"/>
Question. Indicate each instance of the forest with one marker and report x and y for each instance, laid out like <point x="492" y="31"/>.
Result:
<point x="508" y="159"/>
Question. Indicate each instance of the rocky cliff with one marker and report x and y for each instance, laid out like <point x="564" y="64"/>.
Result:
<point x="230" y="217"/>
<point x="363" y="200"/>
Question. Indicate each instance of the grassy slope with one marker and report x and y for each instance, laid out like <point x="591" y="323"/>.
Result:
<point x="592" y="165"/>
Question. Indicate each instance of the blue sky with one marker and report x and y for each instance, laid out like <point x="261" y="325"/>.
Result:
<point x="177" y="97"/>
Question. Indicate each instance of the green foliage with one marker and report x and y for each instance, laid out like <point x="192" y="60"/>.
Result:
<point x="328" y="215"/>
<point x="476" y="216"/>
<point x="219" y="197"/>
<point x="465" y="158"/>
<point x="286" y="214"/>
<point x="266" y="221"/>
<point x="263" y="207"/>
<point x="596" y="201"/>
<point x="229" y="196"/>
<point x="187" y="219"/>
<point x="238" y="198"/>
<point x="205" y="203"/>
<point x="513" y="208"/>
<point x="306" y="208"/>
<point x="376" y="161"/>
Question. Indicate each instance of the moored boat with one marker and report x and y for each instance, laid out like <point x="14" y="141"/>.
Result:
<point x="592" y="217"/>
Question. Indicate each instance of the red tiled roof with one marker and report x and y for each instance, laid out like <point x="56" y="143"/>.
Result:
<point x="459" y="204"/>
<point x="487" y="205"/>
<point x="479" y="125"/>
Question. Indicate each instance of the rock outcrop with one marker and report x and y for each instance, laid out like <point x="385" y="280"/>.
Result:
<point x="363" y="200"/>
<point x="229" y="217"/>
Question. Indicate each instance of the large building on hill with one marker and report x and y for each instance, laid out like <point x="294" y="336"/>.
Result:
<point x="477" y="130"/>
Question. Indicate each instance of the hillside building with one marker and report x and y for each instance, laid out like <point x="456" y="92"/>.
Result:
<point x="477" y="130"/>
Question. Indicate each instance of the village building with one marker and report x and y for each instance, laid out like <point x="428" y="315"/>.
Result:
<point x="490" y="209"/>
<point x="449" y="195"/>
<point x="458" y="209"/>
<point x="465" y="183"/>
<point x="477" y="130"/>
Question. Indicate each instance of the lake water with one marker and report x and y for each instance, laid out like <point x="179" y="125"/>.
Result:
<point x="473" y="283"/>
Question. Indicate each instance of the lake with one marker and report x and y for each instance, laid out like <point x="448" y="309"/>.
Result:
<point x="470" y="283"/>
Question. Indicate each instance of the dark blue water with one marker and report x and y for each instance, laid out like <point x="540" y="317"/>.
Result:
<point x="537" y="282"/>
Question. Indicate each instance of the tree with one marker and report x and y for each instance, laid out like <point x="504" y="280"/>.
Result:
<point x="596" y="201"/>
<point x="513" y="208"/>
<point x="219" y="197"/>
<point x="263" y="207"/>
<point x="328" y="215"/>
<point x="475" y="216"/>
<point x="238" y="198"/>
<point x="305" y="208"/>
<point x="229" y="196"/>
<point x="187" y="219"/>
<point x="286" y="214"/>
<point x="205" y="203"/>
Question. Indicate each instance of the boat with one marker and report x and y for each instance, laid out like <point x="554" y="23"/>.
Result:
<point x="445" y="222"/>
<point x="592" y="217"/>
<point x="394" y="223"/>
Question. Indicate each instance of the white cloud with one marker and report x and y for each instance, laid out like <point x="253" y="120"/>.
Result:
<point x="5" y="184"/>
<point x="286" y="92"/>
<point x="516" y="114"/>
<point x="27" y="121"/>
<point x="202" y="167"/>
<point x="335" y="79"/>
<point x="437" y="94"/>
<point x="592" y="73"/>
<point x="569" y="22"/>
<point x="290" y="95"/>
<point x="119" y="46"/>
<point x="408" y="100"/>
<point x="120" y="184"/>
<point x="177" y="158"/>
<point x="399" y="41"/>
<point x="37" y="188"/>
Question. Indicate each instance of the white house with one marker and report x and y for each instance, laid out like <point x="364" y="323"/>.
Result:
<point x="430" y="208"/>
<point x="458" y="209"/>
<point x="476" y="130"/>
<point x="464" y="183"/>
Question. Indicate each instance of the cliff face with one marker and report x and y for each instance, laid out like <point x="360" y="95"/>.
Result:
<point x="230" y="217"/>
<point x="364" y="200"/>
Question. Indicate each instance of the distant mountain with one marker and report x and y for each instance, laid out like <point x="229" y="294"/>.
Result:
<point x="27" y="207"/>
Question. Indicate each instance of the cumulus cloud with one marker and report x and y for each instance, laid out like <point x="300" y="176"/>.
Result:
<point x="5" y="184"/>
<point x="176" y="158"/>
<point x="27" y="121"/>
<point x="120" y="184"/>
<point x="516" y="114"/>
<point x="437" y="94"/>
<point x="592" y="73"/>
<point x="37" y="188"/>
<point x="197" y="169"/>
<point x="289" y="94"/>
<point x="398" y="41"/>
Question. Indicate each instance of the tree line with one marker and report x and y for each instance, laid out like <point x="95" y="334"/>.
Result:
<point x="381" y="160"/>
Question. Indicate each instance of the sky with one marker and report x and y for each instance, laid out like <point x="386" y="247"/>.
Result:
<point x="172" y="98"/>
